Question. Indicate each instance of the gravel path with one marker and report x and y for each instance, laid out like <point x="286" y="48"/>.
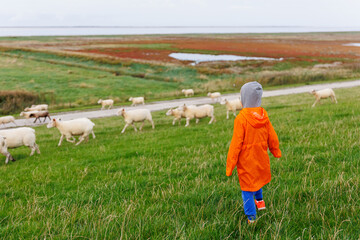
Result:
<point x="162" y="105"/>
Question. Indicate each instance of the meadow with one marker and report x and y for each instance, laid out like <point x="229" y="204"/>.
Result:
<point x="74" y="72"/>
<point x="170" y="183"/>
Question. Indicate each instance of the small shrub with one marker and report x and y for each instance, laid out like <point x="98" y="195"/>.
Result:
<point x="15" y="101"/>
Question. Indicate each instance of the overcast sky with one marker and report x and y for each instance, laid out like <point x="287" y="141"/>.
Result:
<point x="332" y="13"/>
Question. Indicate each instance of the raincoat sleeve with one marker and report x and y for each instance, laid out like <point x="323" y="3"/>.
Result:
<point x="235" y="146"/>
<point x="273" y="142"/>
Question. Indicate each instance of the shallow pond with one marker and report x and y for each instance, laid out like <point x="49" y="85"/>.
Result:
<point x="352" y="44"/>
<point x="198" y="58"/>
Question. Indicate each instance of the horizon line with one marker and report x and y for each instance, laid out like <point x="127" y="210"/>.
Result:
<point x="223" y="26"/>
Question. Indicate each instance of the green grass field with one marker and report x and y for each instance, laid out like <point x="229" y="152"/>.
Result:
<point x="170" y="183"/>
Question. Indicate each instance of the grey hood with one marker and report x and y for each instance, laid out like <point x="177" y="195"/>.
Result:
<point x="251" y="94"/>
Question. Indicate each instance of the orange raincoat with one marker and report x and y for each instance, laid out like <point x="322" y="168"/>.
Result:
<point x="253" y="134"/>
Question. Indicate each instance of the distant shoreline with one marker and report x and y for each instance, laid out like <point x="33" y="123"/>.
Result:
<point x="27" y="31"/>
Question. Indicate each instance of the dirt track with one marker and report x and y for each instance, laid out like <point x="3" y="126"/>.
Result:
<point x="157" y="106"/>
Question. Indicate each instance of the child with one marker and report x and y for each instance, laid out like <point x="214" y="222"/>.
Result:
<point x="253" y="134"/>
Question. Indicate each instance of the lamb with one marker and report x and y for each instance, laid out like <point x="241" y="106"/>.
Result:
<point x="325" y="93"/>
<point x="108" y="102"/>
<point x="41" y="107"/>
<point x="188" y="92"/>
<point x="199" y="112"/>
<point x="7" y="119"/>
<point x="214" y="96"/>
<point x="4" y="150"/>
<point x="232" y="105"/>
<point x="71" y="128"/>
<point x="178" y="113"/>
<point x="138" y="115"/>
<point x="18" y="137"/>
<point x="39" y="114"/>
<point x="137" y="100"/>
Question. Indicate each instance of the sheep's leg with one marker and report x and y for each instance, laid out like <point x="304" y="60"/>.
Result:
<point x="37" y="148"/>
<point x="174" y="121"/>
<point x="134" y="127"/>
<point x="212" y="120"/>
<point x="93" y="134"/>
<point x="110" y="107"/>
<point x="8" y="157"/>
<point x="15" y="123"/>
<point x="143" y="103"/>
<point x="32" y="150"/>
<point x="227" y="114"/>
<point x="102" y="107"/>
<point x="126" y="125"/>
<point x="187" y="122"/>
<point x="197" y="121"/>
<point x="142" y="125"/>
<point x="179" y="119"/>
<point x="234" y="112"/>
<point x="61" y="139"/>
<point x="72" y="140"/>
<point x="81" y="138"/>
<point x="316" y="101"/>
<point x="152" y="124"/>
<point x="333" y="99"/>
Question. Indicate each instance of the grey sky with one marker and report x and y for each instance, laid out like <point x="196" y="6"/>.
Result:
<point x="333" y="13"/>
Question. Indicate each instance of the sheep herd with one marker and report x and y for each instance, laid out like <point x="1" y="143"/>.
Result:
<point x="83" y="127"/>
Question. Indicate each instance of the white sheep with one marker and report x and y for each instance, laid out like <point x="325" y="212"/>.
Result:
<point x="325" y="93"/>
<point x="108" y="102"/>
<point x="137" y="100"/>
<point x="199" y="112"/>
<point x="178" y="113"/>
<point x="188" y="92"/>
<point x="18" y="137"/>
<point x="41" y="107"/>
<point x="77" y="127"/>
<point x="28" y="115"/>
<point x="7" y="119"/>
<point x="4" y="150"/>
<point x="232" y="105"/>
<point x="138" y="115"/>
<point x="214" y="96"/>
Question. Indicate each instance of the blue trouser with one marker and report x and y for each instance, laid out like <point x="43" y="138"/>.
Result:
<point x="249" y="203"/>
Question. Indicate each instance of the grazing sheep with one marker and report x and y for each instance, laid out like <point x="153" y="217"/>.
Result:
<point x="188" y="92"/>
<point x="77" y="127"/>
<point x="41" y="107"/>
<point x="27" y="114"/>
<point x="4" y="150"/>
<point x="214" y="96"/>
<point x="137" y="100"/>
<point x="178" y="113"/>
<point x="325" y="93"/>
<point x="108" y="102"/>
<point x="138" y="115"/>
<point x="199" y="112"/>
<point x="232" y="105"/>
<point x="18" y="137"/>
<point x="39" y="114"/>
<point x="7" y="119"/>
